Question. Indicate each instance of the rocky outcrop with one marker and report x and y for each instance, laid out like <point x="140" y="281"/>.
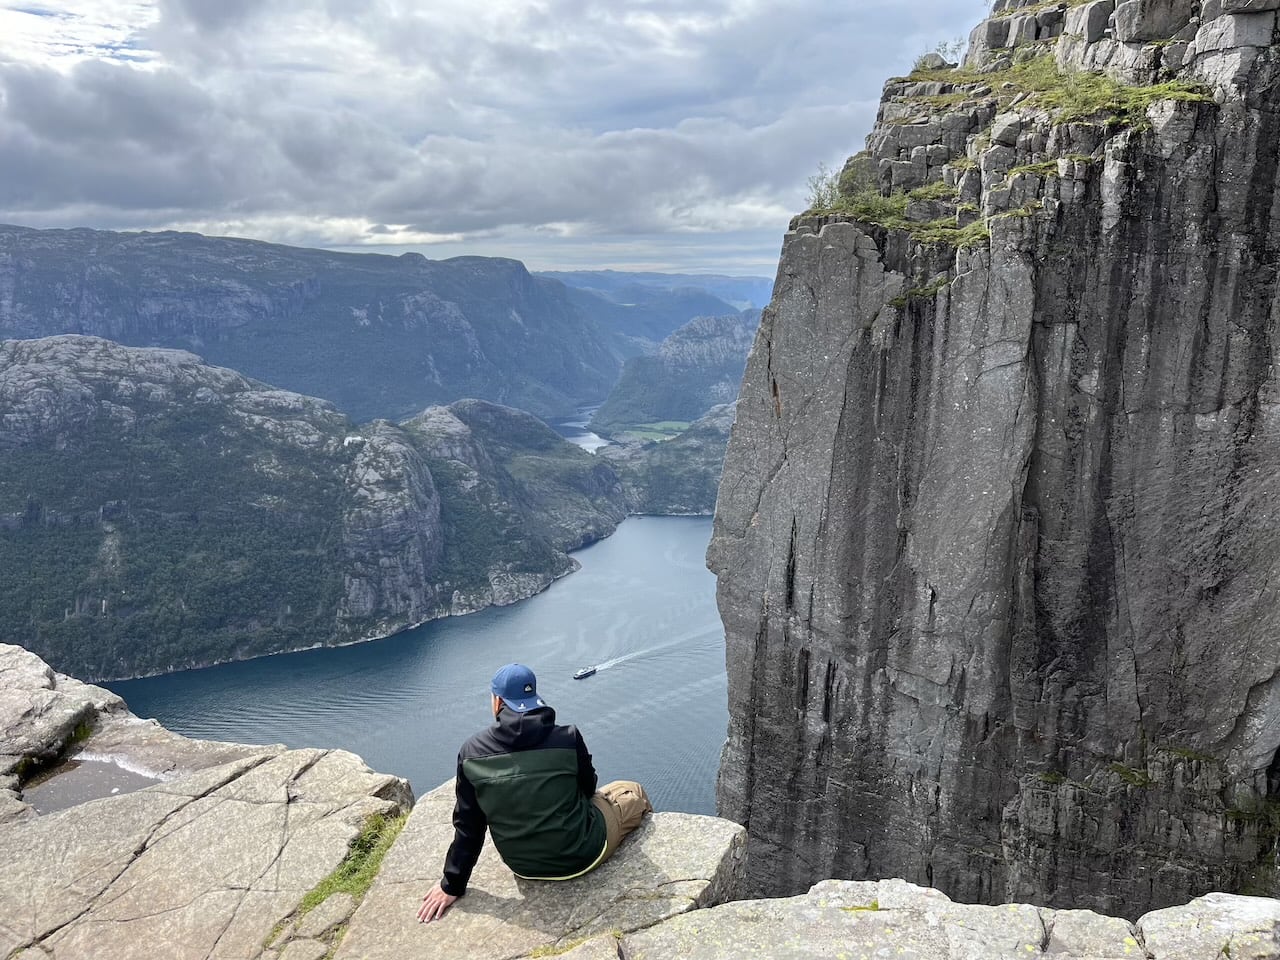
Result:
<point x="158" y="513"/>
<point x="840" y="918"/>
<point x="995" y="552"/>
<point x="672" y="864"/>
<point x="696" y="368"/>
<point x="205" y="862"/>
<point x="392" y="538"/>
<point x="518" y="498"/>
<point x="379" y="336"/>
<point x="233" y="851"/>
<point x="676" y="477"/>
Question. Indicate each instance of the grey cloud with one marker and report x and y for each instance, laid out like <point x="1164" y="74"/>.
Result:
<point x="530" y="119"/>
<point x="208" y="14"/>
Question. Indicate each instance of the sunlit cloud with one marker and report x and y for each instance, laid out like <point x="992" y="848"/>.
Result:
<point x="72" y="30"/>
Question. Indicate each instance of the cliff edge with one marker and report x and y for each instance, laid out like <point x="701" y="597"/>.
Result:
<point x="237" y="852"/>
<point x="996" y="540"/>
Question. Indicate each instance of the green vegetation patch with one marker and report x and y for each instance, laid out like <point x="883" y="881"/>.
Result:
<point x="871" y="907"/>
<point x="1068" y="96"/>
<point x="354" y="875"/>
<point x="890" y="212"/>
<point x="937" y="190"/>
<point x="555" y="950"/>
<point x="1186" y="753"/>
<point x="1130" y="775"/>
<point x="658" y="430"/>
<point x="927" y="292"/>
<point x="356" y="872"/>
<point x="186" y="538"/>
<point x="1263" y="811"/>
<point x="1076" y="95"/>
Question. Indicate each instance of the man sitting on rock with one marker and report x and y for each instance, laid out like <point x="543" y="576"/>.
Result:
<point x="531" y="782"/>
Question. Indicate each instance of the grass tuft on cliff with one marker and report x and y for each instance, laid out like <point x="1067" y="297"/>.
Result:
<point x="1069" y="96"/>
<point x="868" y="205"/>
<point x="356" y="872"/>
<point x="1076" y="95"/>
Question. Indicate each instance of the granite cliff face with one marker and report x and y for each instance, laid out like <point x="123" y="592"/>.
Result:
<point x="158" y="513"/>
<point x="379" y="336"/>
<point x="996" y="540"/>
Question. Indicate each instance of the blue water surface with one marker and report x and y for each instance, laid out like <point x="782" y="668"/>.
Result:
<point x="642" y="607"/>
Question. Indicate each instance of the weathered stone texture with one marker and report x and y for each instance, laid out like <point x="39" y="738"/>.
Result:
<point x="848" y="920"/>
<point x="672" y="864"/>
<point x="391" y="534"/>
<point x="203" y="864"/>
<point x="996" y="544"/>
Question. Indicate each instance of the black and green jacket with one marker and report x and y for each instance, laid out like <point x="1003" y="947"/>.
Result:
<point x="530" y="781"/>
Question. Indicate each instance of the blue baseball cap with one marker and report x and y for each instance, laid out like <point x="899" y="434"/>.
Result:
<point x="517" y="686"/>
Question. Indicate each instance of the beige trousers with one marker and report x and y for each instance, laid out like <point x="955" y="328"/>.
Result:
<point x="624" y="804"/>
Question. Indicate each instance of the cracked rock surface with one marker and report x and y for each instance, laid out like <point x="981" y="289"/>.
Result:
<point x="996" y="541"/>
<point x="859" y="920"/>
<point x="201" y="865"/>
<point x="674" y="863"/>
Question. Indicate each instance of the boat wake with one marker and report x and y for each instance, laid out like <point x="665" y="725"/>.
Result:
<point x="683" y="641"/>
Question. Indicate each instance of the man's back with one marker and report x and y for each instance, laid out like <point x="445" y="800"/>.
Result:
<point x="531" y="784"/>
<point x="533" y="780"/>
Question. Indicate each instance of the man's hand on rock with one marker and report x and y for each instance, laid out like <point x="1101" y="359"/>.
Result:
<point x="434" y="904"/>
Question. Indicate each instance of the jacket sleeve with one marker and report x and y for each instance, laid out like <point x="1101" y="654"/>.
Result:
<point x="469" y="823"/>
<point x="586" y="771"/>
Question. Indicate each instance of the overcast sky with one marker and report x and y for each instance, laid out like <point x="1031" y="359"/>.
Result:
<point x="667" y="134"/>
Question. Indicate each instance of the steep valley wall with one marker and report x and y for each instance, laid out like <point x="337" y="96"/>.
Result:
<point x="997" y="538"/>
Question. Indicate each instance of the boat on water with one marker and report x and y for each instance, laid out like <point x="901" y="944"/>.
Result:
<point x="584" y="673"/>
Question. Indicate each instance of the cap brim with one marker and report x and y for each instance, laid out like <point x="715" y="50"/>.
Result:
<point x="525" y="705"/>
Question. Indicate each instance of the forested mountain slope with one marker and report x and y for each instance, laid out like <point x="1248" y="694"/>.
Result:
<point x="379" y="336"/>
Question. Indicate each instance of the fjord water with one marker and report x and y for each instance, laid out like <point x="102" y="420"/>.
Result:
<point x="642" y="607"/>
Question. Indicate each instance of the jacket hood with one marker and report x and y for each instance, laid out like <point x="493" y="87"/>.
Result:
<point x="523" y="730"/>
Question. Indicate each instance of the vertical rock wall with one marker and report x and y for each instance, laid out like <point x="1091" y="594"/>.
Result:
<point x="998" y="539"/>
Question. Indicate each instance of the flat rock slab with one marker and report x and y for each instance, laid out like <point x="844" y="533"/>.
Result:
<point x="674" y="863"/>
<point x="200" y="867"/>
<point x="892" y="918"/>
<point x="1214" y="926"/>
<point x="848" y="919"/>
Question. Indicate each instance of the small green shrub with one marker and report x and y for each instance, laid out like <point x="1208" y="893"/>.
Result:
<point x="937" y="190"/>
<point x="824" y="189"/>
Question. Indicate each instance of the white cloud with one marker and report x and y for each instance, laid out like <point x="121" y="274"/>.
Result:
<point x="73" y="30"/>
<point x="554" y="126"/>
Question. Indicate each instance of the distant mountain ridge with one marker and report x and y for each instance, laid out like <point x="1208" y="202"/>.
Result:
<point x="379" y="336"/>
<point x="740" y="292"/>
<point x="645" y="316"/>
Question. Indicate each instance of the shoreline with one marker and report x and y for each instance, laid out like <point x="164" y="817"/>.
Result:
<point x="447" y="613"/>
